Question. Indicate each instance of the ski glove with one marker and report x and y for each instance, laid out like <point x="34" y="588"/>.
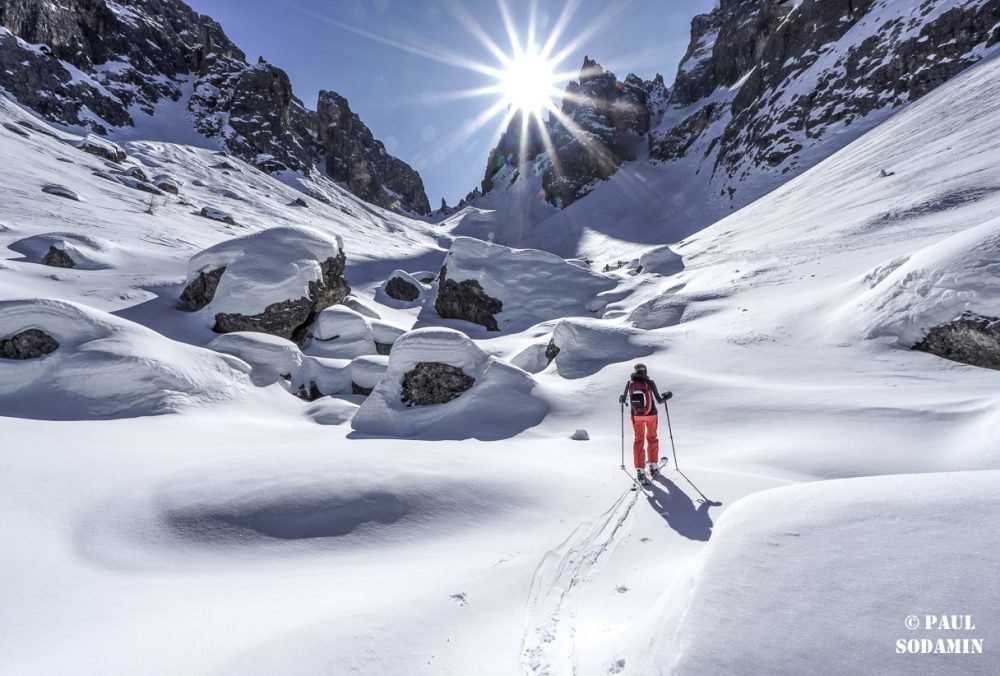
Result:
<point x="666" y="396"/>
<point x="621" y="399"/>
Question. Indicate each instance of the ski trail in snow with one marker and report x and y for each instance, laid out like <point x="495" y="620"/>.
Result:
<point x="550" y="623"/>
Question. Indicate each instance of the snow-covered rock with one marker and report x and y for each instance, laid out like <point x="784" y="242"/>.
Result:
<point x="367" y="372"/>
<point x="582" y="347"/>
<point x="403" y="286"/>
<point x="385" y="335"/>
<point x="970" y="339"/>
<point x="105" y="366"/>
<point x="68" y="250"/>
<point x="273" y="281"/>
<point x="342" y="332"/>
<point x="510" y="289"/>
<point x="498" y="404"/>
<point x="320" y="376"/>
<point x="61" y="191"/>
<point x="96" y="145"/>
<point x="271" y="357"/>
<point x="214" y="214"/>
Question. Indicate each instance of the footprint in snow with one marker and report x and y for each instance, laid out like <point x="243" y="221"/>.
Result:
<point x="460" y="598"/>
<point x="617" y="667"/>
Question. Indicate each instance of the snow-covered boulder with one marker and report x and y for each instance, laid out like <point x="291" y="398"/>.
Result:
<point x="60" y="190"/>
<point x="662" y="260"/>
<point x="273" y="281"/>
<point x="511" y="289"/>
<point x="582" y="347"/>
<point x="271" y="357"/>
<point x="319" y="376"/>
<point x="166" y="183"/>
<point x="68" y="250"/>
<point x="402" y="286"/>
<point x="342" y="332"/>
<point x="367" y="372"/>
<point x="214" y="214"/>
<point x="101" y="147"/>
<point x="385" y="335"/>
<point x="357" y="305"/>
<point x="970" y="339"/>
<point x="498" y="404"/>
<point x="97" y="365"/>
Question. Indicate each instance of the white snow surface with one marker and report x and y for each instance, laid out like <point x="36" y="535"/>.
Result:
<point x="250" y="531"/>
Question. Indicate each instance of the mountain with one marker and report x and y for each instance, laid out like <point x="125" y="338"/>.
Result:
<point x="767" y="89"/>
<point x="124" y="68"/>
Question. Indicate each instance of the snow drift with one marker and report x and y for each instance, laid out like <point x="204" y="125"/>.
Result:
<point x="105" y="366"/>
<point x="499" y="404"/>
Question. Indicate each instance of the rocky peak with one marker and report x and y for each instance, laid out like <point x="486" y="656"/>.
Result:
<point x="93" y="63"/>
<point x="603" y="121"/>
<point x="356" y="158"/>
<point x="767" y="85"/>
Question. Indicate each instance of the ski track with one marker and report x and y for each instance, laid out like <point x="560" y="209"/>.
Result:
<point x="550" y="623"/>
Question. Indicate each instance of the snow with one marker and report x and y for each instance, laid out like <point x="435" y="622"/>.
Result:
<point x="247" y="530"/>
<point x="88" y="253"/>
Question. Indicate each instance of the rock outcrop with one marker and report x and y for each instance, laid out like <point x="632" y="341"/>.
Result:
<point x="971" y="339"/>
<point x="796" y="74"/>
<point x="275" y="281"/>
<point x="28" y="344"/>
<point x="431" y="383"/>
<point x="466" y="300"/>
<point x="354" y="157"/>
<point x="97" y="64"/>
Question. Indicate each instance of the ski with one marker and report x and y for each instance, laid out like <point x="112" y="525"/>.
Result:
<point x="636" y="484"/>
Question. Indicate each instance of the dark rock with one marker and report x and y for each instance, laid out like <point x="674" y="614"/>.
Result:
<point x="162" y="48"/>
<point x="201" y="291"/>
<point x="363" y="391"/>
<point x="217" y="215"/>
<point x="299" y="202"/>
<point x="383" y="348"/>
<point x="61" y="191"/>
<point x="466" y="300"/>
<point x="166" y="185"/>
<point x="606" y="122"/>
<point x="58" y="258"/>
<point x="354" y="157"/>
<point x="521" y="142"/>
<point x="970" y="339"/>
<point x="291" y="318"/>
<point x="551" y="351"/>
<point x="136" y="173"/>
<point x="11" y="127"/>
<point x="29" y="344"/>
<point x="400" y="289"/>
<point x="101" y="148"/>
<point x="431" y="383"/>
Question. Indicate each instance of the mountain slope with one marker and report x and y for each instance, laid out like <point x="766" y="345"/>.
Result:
<point x="766" y="90"/>
<point x="111" y="66"/>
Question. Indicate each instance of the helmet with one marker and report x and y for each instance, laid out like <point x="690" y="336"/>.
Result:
<point x="640" y="368"/>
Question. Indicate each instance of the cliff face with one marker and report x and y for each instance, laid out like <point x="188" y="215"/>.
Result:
<point x="764" y="82"/>
<point x="104" y="65"/>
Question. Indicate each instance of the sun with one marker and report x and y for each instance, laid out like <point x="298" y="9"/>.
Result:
<point x="528" y="83"/>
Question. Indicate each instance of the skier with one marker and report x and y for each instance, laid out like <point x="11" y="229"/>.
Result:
<point x="642" y="397"/>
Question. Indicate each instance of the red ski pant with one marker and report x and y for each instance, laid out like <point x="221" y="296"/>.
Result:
<point x="644" y="426"/>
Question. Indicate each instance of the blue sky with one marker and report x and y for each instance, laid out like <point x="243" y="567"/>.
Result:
<point x="380" y="54"/>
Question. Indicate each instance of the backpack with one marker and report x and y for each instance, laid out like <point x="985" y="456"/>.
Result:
<point x="640" y="397"/>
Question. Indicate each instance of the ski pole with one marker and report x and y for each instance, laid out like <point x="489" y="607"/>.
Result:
<point x="670" y="430"/>
<point x="623" y="435"/>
